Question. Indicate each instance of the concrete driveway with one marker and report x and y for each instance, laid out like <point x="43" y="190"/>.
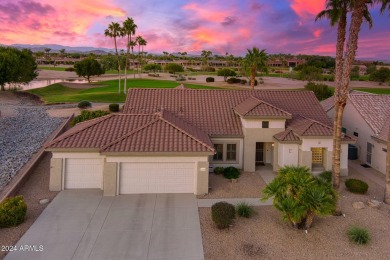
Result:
<point x="82" y="224"/>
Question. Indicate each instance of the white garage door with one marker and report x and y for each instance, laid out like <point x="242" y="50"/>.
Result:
<point x="83" y="174"/>
<point x="156" y="177"/>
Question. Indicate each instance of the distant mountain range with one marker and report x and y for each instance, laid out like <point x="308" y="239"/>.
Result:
<point x="56" y="48"/>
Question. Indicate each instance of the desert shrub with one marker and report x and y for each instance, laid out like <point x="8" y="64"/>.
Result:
<point x="233" y="80"/>
<point x="222" y="213"/>
<point x="231" y="173"/>
<point x="327" y="176"/>
<point x="70" y="69"/>
<point x="113" y="107"/>
<point x="261" y="82"/>
<point x="358" y="235"/>
<point x="84" y="104"/>
<point x="12" y="211"/>
<point x="181" y="78"/>
<point x="218" y="170"/>
<point x="356" y="186"/>
<point x="300" y="196"/>
<point x="244" y="210"/>
<point x="321" y="91"/>
<point x="210" y="79"/>
<point x="243" y="81"/>
<point x="88" y="115"/>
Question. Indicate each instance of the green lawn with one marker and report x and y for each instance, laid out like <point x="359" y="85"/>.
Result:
<point x="51" y="68"/>
<point x="57" y="93"/>
<point x="375" y="90"/>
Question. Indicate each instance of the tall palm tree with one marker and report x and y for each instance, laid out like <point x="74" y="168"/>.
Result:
<point x="62" y="51"/>
<point x="132" y="44"/>
<point x="129" y="28"/>
<point x="114" y="30"/>
<point x="387" y="184"/>
<point x="336" y="11"/>
<point x="255" y="60"/>
<point x="205" y="55"/>
<point x="47" y="50"/>
<point x="140" y="42"/>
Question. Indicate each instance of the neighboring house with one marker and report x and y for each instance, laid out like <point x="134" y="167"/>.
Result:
<point x="367" y="117"/>
<point x="166" y="140"/>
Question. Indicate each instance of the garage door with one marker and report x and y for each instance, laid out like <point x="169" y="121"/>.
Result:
<point x="164" y="177"/>
<point x="83" y="174"/>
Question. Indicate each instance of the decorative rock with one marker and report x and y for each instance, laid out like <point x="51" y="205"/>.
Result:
<point x="358" y="205"/>
<point x="374" y="203"/>
<point x="44" y="201"/>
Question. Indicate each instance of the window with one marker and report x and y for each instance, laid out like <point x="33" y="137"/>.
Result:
<point x="218" y="156"/>
<point x="265" y="124"/>
<point x="231" y="152"/>
<point x="356" y="134"/>
<point x="344" y="130"/>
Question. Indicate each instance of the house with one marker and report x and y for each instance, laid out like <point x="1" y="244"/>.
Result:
<point x="367" y="118"/>
<point x="165" y="140"/>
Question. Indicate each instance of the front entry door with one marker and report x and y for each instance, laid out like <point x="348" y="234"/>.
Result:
<point x="259" y="154"/>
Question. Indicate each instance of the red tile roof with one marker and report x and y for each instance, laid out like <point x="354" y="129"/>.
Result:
<point x="304" y="126"/>
<point x="287" y="136"/>
<point x="159" y="132"/>
<point x="253" y="107"/>
<point x="212" y="111"/>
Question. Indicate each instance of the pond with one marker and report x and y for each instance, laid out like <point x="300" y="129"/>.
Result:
<point x="43" y="83"/>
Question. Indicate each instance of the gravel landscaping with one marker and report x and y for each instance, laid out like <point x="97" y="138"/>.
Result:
<point x="248" y="185"/>
<point x="33" y="191"/>
<point x="266" y="236"/>
<point x="23" y="130"/>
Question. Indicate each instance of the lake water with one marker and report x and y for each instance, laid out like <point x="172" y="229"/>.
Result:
<point x="43" y="83"/>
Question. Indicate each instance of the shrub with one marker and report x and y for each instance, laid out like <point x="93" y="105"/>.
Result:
<point x="356" y="186"/>
<point x="243" y="81"/>
<point x="88" y="115"/>
<point x="219" y="170"/>
<point x="209" y="69"/>
<point x="180" y="78"/>
<point x="233" y="80"/>
<point x="321" y="91"/>
<point x="210" y="79"/>
<point x="113" y="107"/>
<point x="70" y="69"/>
<point x="12" y="211"/>
<point x="358" y="235"/>
<point x="84" y="104"/>
<point x="327" y="176"/>
<point x="231" y="173"/>
<point x="222" y="213"/>
<point x="244" y="210"/>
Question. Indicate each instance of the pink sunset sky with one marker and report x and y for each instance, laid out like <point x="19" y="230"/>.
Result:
<point x="282" y="26"/>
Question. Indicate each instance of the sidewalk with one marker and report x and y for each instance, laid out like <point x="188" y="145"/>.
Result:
<point x="359" y="171"/>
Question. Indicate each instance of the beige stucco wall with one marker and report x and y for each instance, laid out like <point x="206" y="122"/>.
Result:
<point x="202" y="178"/>
<point x="379" y="156"/>
<point x="253" y="135"/>
<point x="55" y="183"/>
<point x="275" y="163"/>
<point x="305" y="158"/>
<point x="110" y="179"/>
<point x="288" y="154"/>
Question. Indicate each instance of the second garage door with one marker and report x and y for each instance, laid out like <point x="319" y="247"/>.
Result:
<point x="163" y="177"/>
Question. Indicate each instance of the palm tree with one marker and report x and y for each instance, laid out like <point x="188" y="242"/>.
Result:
<point x="387" y="185"/>
<point x="255" y="60"/>
<point x="114" y="30"/>
<point x="141" y="42"/>
<point x="205" y="55"/>
<point x="300" y="196"/>
<point x="132" y="44"/>
<point x="336" y="12"/>
<point x="129" y="28"/>
<point x="47" y="50"/>
<point x="62" y="51"/>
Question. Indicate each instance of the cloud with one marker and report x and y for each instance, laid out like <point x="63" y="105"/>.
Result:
<point x="307" y="8"/>
<point x="229" y="21"/>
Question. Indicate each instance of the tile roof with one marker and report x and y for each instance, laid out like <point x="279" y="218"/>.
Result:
<point x="384" y="132"/>
<point x="304" y="126"/>
<point x="287" y="136"/>
<point x="253" y="107"/>
<point x="375" y="109"/>
<point x="328" y="103"/>
<point x="212" y="111"/>
<point x="159" y="132"/>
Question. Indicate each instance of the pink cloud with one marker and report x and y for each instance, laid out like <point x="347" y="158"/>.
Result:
<point x="210" y="14"/>
<point x="307" y="8"/>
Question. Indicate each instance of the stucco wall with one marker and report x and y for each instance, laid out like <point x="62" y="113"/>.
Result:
<point x="110" y="179"/>
<point x="257" y="123"/>
<point x="288" y="154"/>
<point x="379" y="157"/>
<point x="56" y="167"/>
<point x="240" y="152"/>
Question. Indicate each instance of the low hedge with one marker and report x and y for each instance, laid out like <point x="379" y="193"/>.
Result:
<point x="222" y="213"/>
<point x="210" y="79"/>
<point x="88" y="115"/>
<point x="219" y="170"/>
<point x="231" y="173"/>
<point x="113" y="107"/>
<point x="356" y="186"/>
<point x="12" y="211"/>
<point x="327" y="176"/>
<point x="84" y="104"/>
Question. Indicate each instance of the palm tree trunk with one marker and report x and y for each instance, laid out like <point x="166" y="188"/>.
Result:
<point x="127" y="64"/>
<point x="387" y="187"/>
<point x="309" y="219"/>
<point x="119" y="67"/>
<point x="343" y="88"/>
<point x="253" y="75"/>
<point x="139" y="59"/>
